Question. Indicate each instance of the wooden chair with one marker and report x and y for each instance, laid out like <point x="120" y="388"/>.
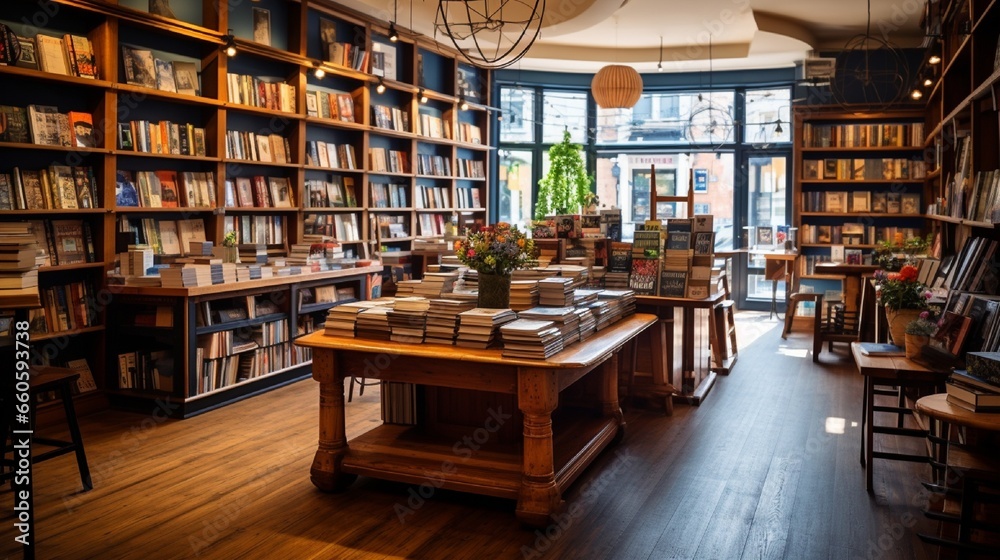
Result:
<point x="976" y="492"/>
<point x="722" y="330"/>
<point x="60" y="381"/>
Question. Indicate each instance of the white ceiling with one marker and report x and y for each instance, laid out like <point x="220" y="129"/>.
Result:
<point x="583" y="35"/>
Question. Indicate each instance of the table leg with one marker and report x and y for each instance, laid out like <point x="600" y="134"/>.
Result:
<point x="689" y="380"/>
<point x="608" y="393"/>
<point x="537" y="397"/>
<point x="864" y="420"/>
<point x="869" y="432"/>
<point x="326" y="473"/>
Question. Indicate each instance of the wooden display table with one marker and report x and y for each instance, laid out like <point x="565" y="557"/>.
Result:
<point x="567" y="407"/>
<point x="895" y="371"/>
<point x="696" y="377"/>
<point x="779" y="266"/>
<point x="852" y="280"/>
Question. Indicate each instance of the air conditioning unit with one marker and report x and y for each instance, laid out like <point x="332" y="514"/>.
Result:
<point x="815" y="71"/>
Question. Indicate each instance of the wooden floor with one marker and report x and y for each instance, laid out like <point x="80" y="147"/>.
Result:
<point x="766" y="467"/>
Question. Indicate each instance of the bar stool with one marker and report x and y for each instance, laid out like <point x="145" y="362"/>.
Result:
<point x="61" y="381"/>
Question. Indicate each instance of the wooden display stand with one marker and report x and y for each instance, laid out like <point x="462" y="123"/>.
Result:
<point x="545" y="420"/>
<point x="187" y="396"/>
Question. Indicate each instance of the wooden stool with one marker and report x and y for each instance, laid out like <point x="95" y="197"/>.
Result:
<point x="61" y="381"/>
<point x="722" y="331"/>
<point x="793" y="304"/>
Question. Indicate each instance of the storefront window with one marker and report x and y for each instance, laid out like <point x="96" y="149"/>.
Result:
<point x="562" y="110"/>
<point x="670" y="118"/>
<point x="518" y="106"/>
<point x="767" y="116"/>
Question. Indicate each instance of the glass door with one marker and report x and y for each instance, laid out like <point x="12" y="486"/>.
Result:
<point x="766" y="229"/>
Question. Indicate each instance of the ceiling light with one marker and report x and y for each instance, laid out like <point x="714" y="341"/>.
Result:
<point x="380" y="87"/>
<point x="778" y="129"/>
<point x="393" y="36"/>
<point x="492" y="34"/>
<point x="616" y="86"/>
<point x="230" y="43"/>
<point x="934" y="59"/>
<point x="916" y="93"/>
<point x="422" y="95"/>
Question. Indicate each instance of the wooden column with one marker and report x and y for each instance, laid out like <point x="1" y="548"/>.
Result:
<point x="538" y="395"/>
<point x="326" y="471"/>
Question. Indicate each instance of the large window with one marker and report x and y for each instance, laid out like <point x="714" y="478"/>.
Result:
<point x="768" y="116"/>
<point x="518" y="124"/>
<point x="670" y="118"/>
<point x="561" y="111"/>
<point x="514" y="180"/>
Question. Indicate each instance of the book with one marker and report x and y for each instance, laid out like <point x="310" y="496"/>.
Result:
<point x="51" y="55"/>
<point x="80" y="54"/>
<point x="125" y="192"/>
<point x="69" y="241"/>
<point x="82" y="130"/>
<point x="14" y="124"/>
<point x="140" y="69"/>
<point x="29" y="54"/>
<point x="165" y="75"/>
<point x="881" y="349"/>
<point x="186" y="78"/>
<point x="86" y="381"/>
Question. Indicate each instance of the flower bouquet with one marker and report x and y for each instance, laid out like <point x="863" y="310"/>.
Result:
<point x="494" y="252"/>
<point x="903" y="296"/>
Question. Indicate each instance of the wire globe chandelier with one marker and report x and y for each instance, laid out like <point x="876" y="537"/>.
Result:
<point x="490" y="33"/>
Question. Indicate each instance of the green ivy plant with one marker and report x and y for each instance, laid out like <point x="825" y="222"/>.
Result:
<point x="565" y="188"/>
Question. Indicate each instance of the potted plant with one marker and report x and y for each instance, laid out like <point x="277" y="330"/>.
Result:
<point x="566" y="187"/>
<point x="892" y="255"/>
<point x="904" y="298"/>
<point x="918" y="333"/>
<point x="231" y="253"/>
<point x="494" y="252"/>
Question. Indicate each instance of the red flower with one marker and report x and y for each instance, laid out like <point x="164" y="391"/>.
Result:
<point x="908" y="273"/>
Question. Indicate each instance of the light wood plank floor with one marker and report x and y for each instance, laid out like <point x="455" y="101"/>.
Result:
<point x="767" y="467"/>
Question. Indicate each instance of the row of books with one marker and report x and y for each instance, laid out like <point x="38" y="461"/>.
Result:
<point x="71" y="55"/>
<point x="438" y="166"/>
<point x="162" y="137"/>
<point x="330" y="105"/>
<point x="974" y="269"/>
<point x="57" y="187"/>
<point x="861" y="201"/>
<point x="259" y="192"/>
<point x="341" y="226"/>
<point x="146" y="370"/>
<point x="471" y="168"/>
<point x="338" y="192"/>
<point x="853" y="233"/>
<point x="64" y="308"/>
<point x="269" y="230"/>
<point x="432" y="197"/>
<point x="862" y="135"/>
<point x="468" y="197"/>
<point x="45" y="125"/>
<point x="348" y="55"/>
<point x="470" y="133"/>
<point x="166" y="237"/>
<point x="391" y="118"/>
<point x="250" y="146"/>
<point x="863" y="169"/>
<point x="388" y="161"/>
<point x="388" y="195"/>
<point x="165" y="189"/>
<point x="431" y="224"/>
<point x="143" y="69"/>
<point x="808" y="263"/>
<point x="393" y="227"/>
<point x="981" y="202"/>
<point x="257" y="92"/>
<point x="433" y="127"/>
<point x="330" y="155"/>
<point x="64" y="241"/>
<point x="230" y="370"/>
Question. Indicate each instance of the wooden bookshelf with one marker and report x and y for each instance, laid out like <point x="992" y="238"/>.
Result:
<point x="199" y="37"/>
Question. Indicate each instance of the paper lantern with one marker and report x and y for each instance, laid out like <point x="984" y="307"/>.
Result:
<point x="616" y="87"/>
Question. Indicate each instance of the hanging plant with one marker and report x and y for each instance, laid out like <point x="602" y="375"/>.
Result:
<point x="566" y="187"/>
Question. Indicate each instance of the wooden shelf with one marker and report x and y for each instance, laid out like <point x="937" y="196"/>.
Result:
<point x="333" y="209"/>
<point x="74" y="332"/>
<point x="859" y="181"/>
<point x="240" y="325"/>
<point x="814" y="149"/>
<point x="65" y="267"/>
<point x="47" y="211"/>
<point x="390" y="173"/>
<point x="261" y="111"/>
<point x="332" y="169"/>
<point x="256" y="210"/>
<point x="858" y="214"/>
<point x="48" y="148"/>
<point x="50" y="77"/>
<point x="822" y="276"/>
<point x="390" y="209"/>
<point x="247" y="285"/>
<point x="152" y="210"/>
<point x="330" y="123"/>
<point x="838" y="244"/>
<point x="231" y="161"/>
<point x="168" y="95"/>
<point x="390" y="132"/>
<point x="264" y="377"/>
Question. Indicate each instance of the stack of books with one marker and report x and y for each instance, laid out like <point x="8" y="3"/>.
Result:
<point x="525" y="338"/>
<point x="436" y="284"/>
<point x="585" y="295"/>
<point x="19" y="260"/>
<point x="578" y="274"/>
<point x="564" y="317"/>
<point x="341" y="320"/>
<point x="374" y="323"/>
<point x="523" y="294"/>
<point x="442" y="319"/>
<point x="470" y="280"/>
<point x="407" y="319"/>
<point x="186" y="276"/>
<point x="557" y="291"/>
<point x="406" y="288"/>
<point x="478" y="327"/>
<point x="624" y="298"/>
<point x="137" y="261"/>
<point x="978" y="388"/>
<point x="602" y="312"/>
<point x="201" y="248"/>
<point x="588" y="325"/>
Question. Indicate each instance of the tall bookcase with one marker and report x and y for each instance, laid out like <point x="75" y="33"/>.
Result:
<point x="859" y="181"/>
<point x="961" y="119"/>
<point x="455" y="94"/>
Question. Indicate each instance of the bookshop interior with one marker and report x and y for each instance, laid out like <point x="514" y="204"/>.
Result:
<point x="500" y="279"/>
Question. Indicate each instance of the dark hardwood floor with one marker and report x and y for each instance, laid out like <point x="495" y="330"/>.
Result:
<point x="766" y="467"/>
